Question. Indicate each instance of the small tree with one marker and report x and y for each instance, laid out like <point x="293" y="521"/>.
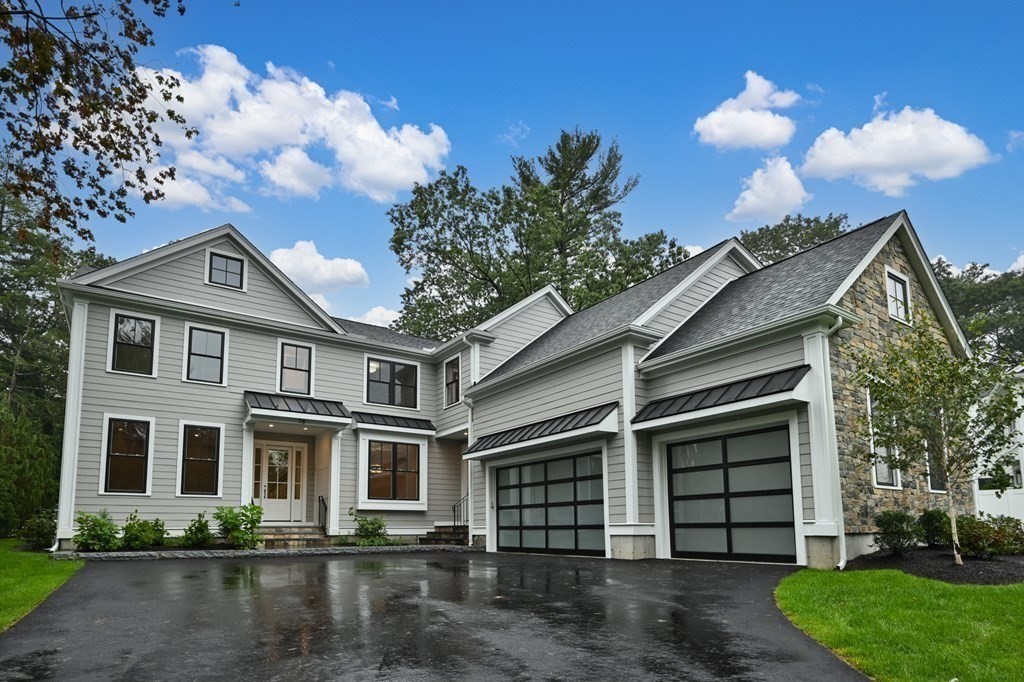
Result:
<point x="937" y="408"/>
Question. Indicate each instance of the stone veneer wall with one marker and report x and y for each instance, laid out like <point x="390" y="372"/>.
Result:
<point x="868" y="299"/>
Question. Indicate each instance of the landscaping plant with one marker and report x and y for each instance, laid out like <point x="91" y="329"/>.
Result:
<point x="197" y="533"/>
<point x="139" y="534"/>
<point x="96" y="533"/>
<point x="990" y="536"/>
<point x="371" y="531"/>
<point x="240" y="525"/>
<point x="935" y="528"/>
<point x="40" y="530"/>
<point x="897" y="531"/>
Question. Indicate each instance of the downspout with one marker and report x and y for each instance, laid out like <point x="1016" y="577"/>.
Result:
<point x="840" y="521"/>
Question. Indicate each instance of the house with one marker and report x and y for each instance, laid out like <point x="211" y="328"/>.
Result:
<point x="706" y="412"/>
<point x="1011" y="501"/>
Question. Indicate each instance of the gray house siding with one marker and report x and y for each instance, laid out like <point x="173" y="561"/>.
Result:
<point x="678" y="310"/>
<point x="183" y="279"/>
<point x="517" y="331"/>
<point x="458" y="414"/>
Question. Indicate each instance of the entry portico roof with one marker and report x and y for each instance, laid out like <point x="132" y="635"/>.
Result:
<point x="296" y="406"/>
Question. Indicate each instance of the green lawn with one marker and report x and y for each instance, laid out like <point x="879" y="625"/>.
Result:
<point x="26" y="579"/>
<point x="895" y="626"/>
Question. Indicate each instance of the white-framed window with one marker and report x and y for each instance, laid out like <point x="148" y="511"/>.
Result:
<point x="897" y="293"/>
<point x="295" y="367"/>
<point x="133" y="343"/>
<point x="227" y="269"/>
<point x="126" y="455"/>
<point x="453" y="381"/>
<point x="200" y="458"/>
<point x="937" y="482"/>
<point x="882" y="475"/>
<point x="392" y="471"/>
<point x="390" y="381"/>
<point x="205" y="355"/>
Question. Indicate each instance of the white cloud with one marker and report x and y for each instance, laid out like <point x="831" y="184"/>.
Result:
<point x="956" y="270"/>
<point x="770" y="193"/>
<point x="293" y="173"/>
<point x="747" y="120"/>
<point x="879" y="100"/>
<point x="814" y="87"/>
<point x="1015" y="140"/>
<point x="316" y="274"/>
<point x="693" y="250"/>
<point x="895" y="149"/>
<point x="183" y="191"/>
<point x="390" y="103"/>
<point x="246" y="119"/>
<point x="516" y="133"/>
<point x="378" y="315"/>
<point x="321" y="301"/>
<point x="1019" y="263"/>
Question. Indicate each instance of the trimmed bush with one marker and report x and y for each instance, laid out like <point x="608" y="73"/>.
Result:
<point x="240" y="525"/>
<point x="96" y="533"/>
<point x="139" y="534"/>
<point x="897" y="531"/>
<point x="371" y="531"/>
<point x="197" y="533"/>
<point x="935" y="530"/>
<point x="990" y="536"/>
<point x="40" y="530"/>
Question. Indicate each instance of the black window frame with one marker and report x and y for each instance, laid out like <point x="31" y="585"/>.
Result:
<point x="210" y="270"/>
<point x="454" y="383"/>
<point x="112" y="456"/>
<point x="185" y="459"/>
<point x="394" y="471"/>
<point x="282" y="367"/>
<point x="190" y="353"/>
<point x="392" y="384"/>
<point x="115" y="344"/>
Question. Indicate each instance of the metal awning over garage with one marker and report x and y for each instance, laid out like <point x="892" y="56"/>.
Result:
<point x="599" y="419"/>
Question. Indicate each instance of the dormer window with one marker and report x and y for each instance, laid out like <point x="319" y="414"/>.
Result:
<point x="226" y="271"/>
<point x="898" y="295"/>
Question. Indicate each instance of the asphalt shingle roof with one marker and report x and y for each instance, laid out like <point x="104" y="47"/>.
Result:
<point x="385" y="335"/>
<point x="796" y="284"/>
<point x="548" y="427"/>
<point x="612" y="313"/>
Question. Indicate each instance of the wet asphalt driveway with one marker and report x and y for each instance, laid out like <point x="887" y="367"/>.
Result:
<point x="416" y="616"/>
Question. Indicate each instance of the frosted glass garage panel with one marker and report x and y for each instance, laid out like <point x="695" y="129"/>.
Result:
<point x="698" y="482"/>
<point x="764" y="445"/>
<point x="760" y="477"/>
<point x="763" y="541"/>
<point x="767" y="508"/>
<point x="697" y="454"/>
<point x="701" y="540"/>
<point x="699" y="511"/>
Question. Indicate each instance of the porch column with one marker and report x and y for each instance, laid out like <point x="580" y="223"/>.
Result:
<point x="334" y="498"/>
<point x="245" y="496"/>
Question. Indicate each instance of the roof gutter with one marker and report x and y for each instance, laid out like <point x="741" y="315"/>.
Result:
<point x="838" y="491"/>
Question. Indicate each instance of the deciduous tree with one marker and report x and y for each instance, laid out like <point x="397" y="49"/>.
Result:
<point x="792" y="235"/>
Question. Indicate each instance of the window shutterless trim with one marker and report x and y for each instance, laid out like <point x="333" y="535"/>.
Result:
<point x="105" y="446"/>
<point x="444" y="381"/>
<point x="381" y="358"/>
<point x="874" y="464"/>
<point x="187" y="353"/>
<point x="363" y="477"/>
<point x="112" y="326"/>
<point x="897" y="275"/>
<point x="280" y="366"/>
<point x="394" y="470"/>
<point x="183" y="424"/>
<point x="208" y="267"/>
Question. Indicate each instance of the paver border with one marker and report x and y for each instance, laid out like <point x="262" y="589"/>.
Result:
<point x="257" y="553"/>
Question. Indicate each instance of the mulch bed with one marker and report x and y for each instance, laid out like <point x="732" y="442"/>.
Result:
<point x="937" y="563"/>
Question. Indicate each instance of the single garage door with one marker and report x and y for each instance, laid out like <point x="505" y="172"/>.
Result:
<point x="732" y="497"/>
<point x="555" y="506"/>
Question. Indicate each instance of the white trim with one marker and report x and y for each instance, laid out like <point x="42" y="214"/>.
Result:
<point x="363" y="426"/>
<point x="180" y="467"/>
<point x="334" y="486"/>
<point x="189" y="326"/>
<point x="248" y="435"/>
<point x="549" y="291"/>
<point x="210" y="250"/>
<point x="150" y="446"/>
<point x="366" y="381"/>
<point x="874" y="464"/>
<point x="866" y="261"/>
<point x="444" y="433"/>
<point x="293" y="417"/>
<point x="905" y="279"/>
<point x="928" y="479"/>
<point x="608" y="425"/>
<point x="312" y="366"/>
<point x="363" y="467"/>
<point x="629" y="440"/>
<point x="72" y="420"/>
<point x="474" y="362"/>
<point x="114" y="312"/>
<point x="444" y="381"/>
<point x="824" y="450"/>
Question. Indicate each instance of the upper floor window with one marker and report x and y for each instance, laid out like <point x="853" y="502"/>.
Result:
<point x="296" y="369"/>
<point x="898" y="294"/>
<point x="391" y="383"/>
<point x="205" y="355"/>
<point x="126" y="467"/>
<point x="133" y="344"/>
<point x="226" y="271"/>
<point x="452" y="387"/>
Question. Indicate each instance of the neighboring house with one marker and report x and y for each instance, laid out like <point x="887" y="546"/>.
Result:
<point x="1011" y="501"/>
<point x="706" y="412"/>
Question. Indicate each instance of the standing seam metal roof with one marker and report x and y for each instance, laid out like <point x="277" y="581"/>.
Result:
<point x="392" y="420"/>
<point x="548" y="427"/>
<point x="296" y="404"/>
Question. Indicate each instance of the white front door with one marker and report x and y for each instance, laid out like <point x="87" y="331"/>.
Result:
<point x="277" y="481"/>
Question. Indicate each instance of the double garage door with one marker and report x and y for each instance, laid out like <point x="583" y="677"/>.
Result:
<point x="732" y="497"/>
<point x="553" y="507"/>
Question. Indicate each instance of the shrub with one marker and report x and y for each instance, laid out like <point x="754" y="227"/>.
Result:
<point x="240" y="525"/>
<point x="935" y="529"/>
<point x="139" y="534"/>
<point x="1009" y="534"/>
<point x="40" y="530"/>
<point x="897" y="531"/>
<point x="990" y="536"/>
<point x="371" y="531"/>
<point x="197" y="533"/>
<point x="96" y="533"/>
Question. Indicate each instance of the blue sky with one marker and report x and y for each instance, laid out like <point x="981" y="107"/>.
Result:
<point x="364" y="99"/>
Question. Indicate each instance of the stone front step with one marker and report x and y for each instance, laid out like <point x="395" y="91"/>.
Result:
<point x="446" y="535"/>
<point x="293" y="537"/>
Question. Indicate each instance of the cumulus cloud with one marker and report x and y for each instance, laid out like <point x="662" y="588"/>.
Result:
<point x="693" y="250"/>
<point x="314" y="273"/>
<point x="378" y="315"/>
<point x="1015" y="140"/>
<point x="321" y="301"/>
<point x="894" y="150"/>
<point x="1018" y="264"/>
<point x="184" y="191"/>
<point x="747" y="120"/>
<point x="274" y="121"/>
<point x="770" y="193"/>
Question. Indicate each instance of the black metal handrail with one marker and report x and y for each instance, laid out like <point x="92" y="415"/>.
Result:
<point x="322" y="517"/>
<point x="460" y="512"/>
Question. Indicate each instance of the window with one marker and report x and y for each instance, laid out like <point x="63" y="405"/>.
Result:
<point x="205" y="355"/>
<point x="391" y="383"/>
<point x="296" y="369"/>
<point x="394" y="471"/>
<point x="200" y="459"/>
<point x="127" y="456"/>
<point x="884" y="475"/>
<point x="226" y="271"/>
<point x="452" y="388"/>
<point x="936" y="478"/>
<point x="134" y="341"/>
<point x="898" y="296"/>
